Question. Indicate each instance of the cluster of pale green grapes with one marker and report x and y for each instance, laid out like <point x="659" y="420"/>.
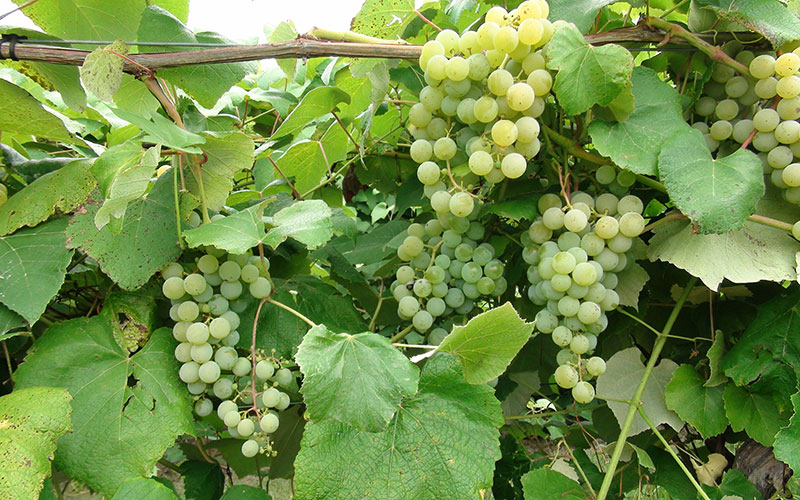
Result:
<point x="763" y="108"/>
<point x="206" y="297"/>
<point x="447" y="272"/>
<point x="477" y="116"/>
<point x="574" y="253"/>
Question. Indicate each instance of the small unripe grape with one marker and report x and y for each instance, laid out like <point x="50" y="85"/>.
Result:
<point x="583" y="392"/>
<point x="284" y="377"/>
<point x="203" y="407"/>
<point x="566" y="376"/>
<point x="269" y="423"/>
<point x="173" y="288"/>
<point x="260" y="288"/>
<point x="250" y="448"/>
<point x="264" y="369"/>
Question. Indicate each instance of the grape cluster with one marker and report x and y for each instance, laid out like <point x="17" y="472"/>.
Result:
<point x="477" y="115"/>
<point x="574" y="253"/>
<point x="447" y="272"/>
<point x="763" y="109"/>
<point x="205" y="306"/>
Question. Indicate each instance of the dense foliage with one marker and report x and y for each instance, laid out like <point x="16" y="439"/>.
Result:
<point x="553" y="257"/>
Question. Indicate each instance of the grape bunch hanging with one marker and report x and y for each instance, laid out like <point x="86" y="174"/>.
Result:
<point x="574" y="251"/>
<point x="206" y="302"/>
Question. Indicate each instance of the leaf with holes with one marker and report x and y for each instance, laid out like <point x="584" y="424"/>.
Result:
<point x="587" y="75"/>
<point x="356" y="379"/>
<point x="488" y="342"/>
<point x="718" y="194"/>
<point x="33" y="263"/>
<point x="383" y="18"/>
<point x="101" y="71"/>
<point x="60" y="191"/>
<point x="440" y="445"/>
<point x="126" y="410"/>
<point x="31" y="421"/>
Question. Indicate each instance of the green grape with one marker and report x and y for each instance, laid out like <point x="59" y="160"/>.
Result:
<point x="188" y="311"/>
<point x="726" y="109"/>
<point x="610" y="281"/>
<point x="527" y="129"/>
<point x="584" y="274"/>
<point x="486" y="34"/>
<point x="223" y="388"/>
<point x="245" y="428"/>
<point x="173" y="288"/>
<point x="444" y="148"/>
<point x="486" y="285"/>
<point x="566" y="376"/>
<point x="479" y="66"/>
<point x="188" y="372"/>
<point x="207" y="264"/>
<point x="171" y="270"/>
<point x="630" y="203"/>
<point x="610" y="301"/>
<point x="721" y="130"/>
<point x="736" y="87"/>
<point x="250" y="448"/>
<point x="209" y="372"/>
<point x="241" y="367"/>
<point x="449" y="40"/>
<point x="494" y="269"/>
<point x="219" y="328"/>
<point x="419" y="115"/>
<point x="482" y="256"/>
<point x="787" y="64"/>
<point x="457" y="69"/>
<point x="499" y="81"/>
<point x="231" y="289"/>
<point x="791" y="175"/>
<point x="203" y="407"/>
<point x="579" y="344"/>
<point x="218" y="305"/>
<point x="284" y="377"/>
<point x="232" y="418"/>
<point x="196" y="388"/>
<point x="197" y="333"/>
<point x="541" y="82"/>
<point x="179" y="331"/>
<point x="583" y="392"/>
<point x="269" y="423"/>
<point x="422" y="320"/>
<point x="631" y="224"/>
<point x="766" y="88"/>
<point x="520" y="96"/>
<point x="422" y="288"/>
<point x="212" y="279"/>
<point x="575" y="220"/>
<point x="229" y="271"/>
<point x="568" y="306"/>
<point x="561" y="283"/>
<point x="471" y="272"/>
<point x="428" y="173"/>
<point x="589" y="312"/>
<point x="405" y="274"/>
<point x="514" y="165"/>
<point x="532" y="62"/>
<point x="568" y="240"/>
<point x="595" y="366"/>
<point x="787" y="132"/>
<point x="504" y="133"/>
<point x="226" y="407"/>
<point x="466" y="111"/>
<point x="407" y="306"/>
<point x="260" y="288"/>
<point x="530" y="31"/>
<point x="765" y="120"/>
<point x="705" y="106"/>
<point x="454" y="298"/>
<point x="762" y="66"/>
<point x="430" y="49"/>
<point x="796" y="230"/>
<point x="553" y="218"/>
<point x="431" y="98"/>
<point x="788" y="87"/>
<point x="764" y="141"/>
<point x="564" y="262"/>
<point x="485" y="109"/>
<point x="546" y="321"/>
<point x="606" y="227"/>
<point x="742" y="130"/>
<point x="421" y="151"/>
<point x="461" y="204"/>
<point x="789" y="109"/>
<point x="201" y="352"/>
<point x="506" y="39"/>
<point x="440" y="201"/>
<point x="250" y="273"/>
<point x="183" y="352"/>
<point x="271" y="397"/>
<point x="562" y="336"/>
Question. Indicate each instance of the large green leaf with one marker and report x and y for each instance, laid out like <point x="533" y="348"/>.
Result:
<point x="587" y="75"/>
<point x="773" y="337"/>
<point x="227" y="155"/>
<point x="283" y="331"/>
<point x="308" y="161"/>
<point x="631" y="282"/>
<point x="101" y="71"/>
<point x="762" y="408"/>
<point x="383" y="18"/>
<point x="634" y="144"/>
<point x="129" y="181"/>
<point x="623" y="372"/>
<point x="699" y="406"/>
<point x="441" y="445"/>
<point x="582" y="13"/>
<point x="147" y="241"/>
<point x="547" y="484"/>
<point x="772" y="19"/>
<point x="318" y="102"/>
<point x="235" y="233"/>
<point x="10" y="323"/>
<point x="62" y="191"/>
<point x="307" y="221"/>
<point x="356" y="379"/>
<point x="787" y="441"/>
<point x="33" y="262"/>
<point x="284" y="32"/>
<point x="205" y="82"/>
<point x="31" y="421"/>
<point x="144" y="489"/>
<point x="718" y="194"/>
<point x="746" y="255"/>
<point x="21" y="113"/>
<point x="163" y="131"/>
<point x="126" y="410"/>
<point x="488" y="342"/>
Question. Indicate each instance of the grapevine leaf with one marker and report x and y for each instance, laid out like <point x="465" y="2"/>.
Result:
<point x="163" y="131"/>
<point x="126" y="410"/>
<point x="752" y="253"/>
<point x="356" y="379"/>
<point x="202" y="480"/>
<point x="623" y="372"/>
<point x="522" y="208"/>
<point x="699" y="406"/>
<point x="734" y="486"/>
<point x="379" y="18"/>
<point x="101" y="71"/>
<point x="33" y="263"/>
<point x="762" y="408"/>
<point x="772" y="19"/>
<point x="774" y="336"/>
<point x="133" y="96"/>
<point x="586" y="75"/>
<point x="787" y="441"/>
<point x="634" y="144"/>
<point x="147" y="241"/>
<point x="441" y="445"/>
<point x="62" y="190"/>
<point x="204" y="82"/>
<point x="244" y="492"/>
<point x="30" y="170"/>
<point x="718" y="194"/>
<point x="488" y="342"/>
<point x="21" y="113"/>
<point x="284" y="32"/>
<point x="141" y="488"/>
<point x="281" y="101"/>
<point x="309" y="160"/>
<point x="631" y="283"/>
<point x="10" y="323"/>
<point x="315" y="299"/>
<point x="227" y="155"/>
<point x="546" y="484"/>
<point x="582" y="13"/>
<point x="316" y="103"/>
<point x="715" y="354"/>
<point x="307" y="221"/>
<point x="128" y="183"/>
<point x="31" y="421"/>
<point x="235" y="233"/>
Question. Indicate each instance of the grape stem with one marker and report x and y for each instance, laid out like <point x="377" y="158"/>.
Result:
<point x="566" y="447"/>
<point x="177" y="203"/>
<point x="672" y="453"/>
<point x="417" y="346"/>
<point x="646" y="325"/>
<point x="374" y="317"/>
<point x="637" y="396"/>
<point x="287" y="308"/>
<point x="296" y="194"/>
<point x="456" y="184"/>
<point x="401" y="334"/>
